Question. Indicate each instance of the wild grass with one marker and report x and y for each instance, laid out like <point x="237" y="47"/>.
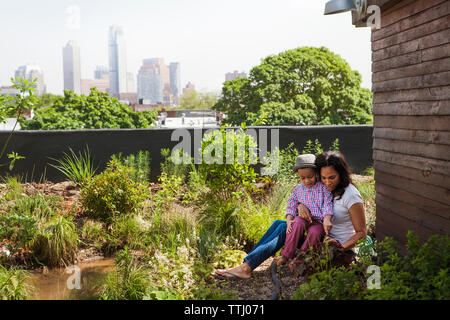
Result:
<point x="13" y="186"/>
<point x="129" y="282"/>
<point x="57" y="242"/>
<point x="77" y="168"/>
<point x="13" y="284"/>
<point x="39" y="206"/>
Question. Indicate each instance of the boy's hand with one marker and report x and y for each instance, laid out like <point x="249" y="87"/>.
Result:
<point x="303" y="212"/>
<point x="290" y="220"/>
<point x="327" y="225"/>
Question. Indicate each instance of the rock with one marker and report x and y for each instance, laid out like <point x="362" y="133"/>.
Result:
<point x="62" y="186"/>
<point x="4" y="251"/>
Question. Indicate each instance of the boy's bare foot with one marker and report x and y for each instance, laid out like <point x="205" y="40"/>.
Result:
<point x="280" y="260"/>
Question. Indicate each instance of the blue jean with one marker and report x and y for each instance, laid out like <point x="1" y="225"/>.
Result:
<point x="268" y="245"/>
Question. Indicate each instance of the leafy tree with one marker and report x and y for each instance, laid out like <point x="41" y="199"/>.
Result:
<point x="191" y="99"/>
<point x="98" y="110"/>
<point x="302" y="86"/>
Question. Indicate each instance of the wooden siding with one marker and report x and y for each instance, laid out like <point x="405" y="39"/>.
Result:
<point x="411" y="107"/>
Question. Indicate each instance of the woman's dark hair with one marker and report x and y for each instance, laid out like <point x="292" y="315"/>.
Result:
<point x="337" y="160"/>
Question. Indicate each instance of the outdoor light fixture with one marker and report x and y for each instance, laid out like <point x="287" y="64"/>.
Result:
<point x="338" y="6"/>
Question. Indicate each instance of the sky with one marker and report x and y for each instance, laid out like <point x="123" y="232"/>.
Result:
<point x="208" y="37"/>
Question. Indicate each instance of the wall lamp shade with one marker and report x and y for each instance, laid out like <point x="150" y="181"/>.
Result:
<point x="338" y="6"/>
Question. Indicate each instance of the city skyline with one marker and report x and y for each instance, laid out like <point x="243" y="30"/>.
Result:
<point x="203" y="36"/>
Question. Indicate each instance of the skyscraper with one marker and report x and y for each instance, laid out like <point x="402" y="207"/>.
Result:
<point x="175" y="84"/>
<point x="30" y="72"/>
<point x="117" y="62"/>
<point x="72" y="67"/>
<point x="154" y="81"/>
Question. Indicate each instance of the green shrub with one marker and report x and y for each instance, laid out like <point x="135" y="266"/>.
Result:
<point x="20" y="230"/>
<point x="227" y="159"/>
<point x="140" y="163"/>
<point x="13" y="284"/>
<point x="56" y="244"/>
<point x="112" y="192"/>
<point x="77" y="168"/>
<point x="419" y="274"/>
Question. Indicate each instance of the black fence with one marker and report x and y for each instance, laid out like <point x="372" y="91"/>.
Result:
<point x="39" y="146"/>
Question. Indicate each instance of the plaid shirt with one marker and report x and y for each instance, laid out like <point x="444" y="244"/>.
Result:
<point x="318" y="199"/>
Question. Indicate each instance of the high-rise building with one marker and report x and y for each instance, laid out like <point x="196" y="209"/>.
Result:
<point x="234" y="75"/>
<point x="131" y="83"/>
<point x="30" y="72"/>
<point x="175" y="83"/>
<point x="154" y="81"/>
<point x="117" y="61"/>
<point x="100" y="72"/>
<point x="72" y="67"/>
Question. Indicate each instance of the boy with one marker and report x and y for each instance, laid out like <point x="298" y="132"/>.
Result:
<point x="311" y="195"/>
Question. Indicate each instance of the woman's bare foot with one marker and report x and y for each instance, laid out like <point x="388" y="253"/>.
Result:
<point x="280" y="260"/>
<point x="242" y="271"/>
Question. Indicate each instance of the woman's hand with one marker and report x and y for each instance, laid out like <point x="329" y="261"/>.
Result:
<point x="327" y="225"/>
<point x="303" y="212"/>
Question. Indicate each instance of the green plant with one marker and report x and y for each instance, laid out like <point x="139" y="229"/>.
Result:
<point x="129" y="282"/>
<point x="13" y="186"/>
<point x="56" y="244"/>
<point x="15" y="106"/>
<point x="176" y="164"/>
<point x="112" y="192"/>
<point x="369" y="171"/>
<point x="313" y="147"/>
<point x="93" y="232"/>
<point x="77" y="168"/>
<point x="39" y="206"/>
<point x="126" y="230"/>
<point x="227" y="159"/>
<point x="13" y="284"/>
<point x="140" y="163"/>
<point x="20" y="230"/>
<point x="420" y="273"/>
<point x="284" y="161"/>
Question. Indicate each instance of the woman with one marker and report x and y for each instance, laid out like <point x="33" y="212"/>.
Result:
<point x="348" y="223"/>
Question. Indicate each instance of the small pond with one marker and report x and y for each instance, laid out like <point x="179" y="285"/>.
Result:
<point x="62" y="284"/>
